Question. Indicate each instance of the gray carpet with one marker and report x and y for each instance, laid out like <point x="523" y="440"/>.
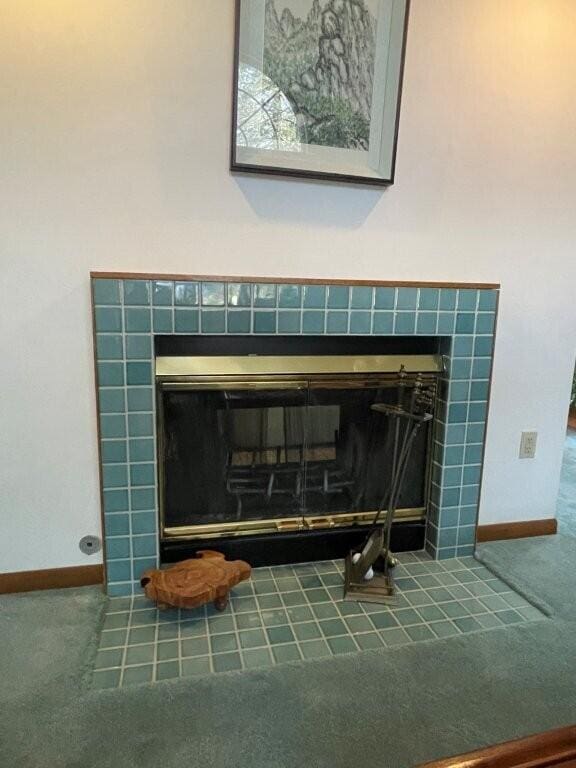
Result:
<point x="391" y="708"/>
<point x="566" y="511"/>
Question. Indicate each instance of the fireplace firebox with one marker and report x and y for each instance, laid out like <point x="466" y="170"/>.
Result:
<point x="280" y="457"/>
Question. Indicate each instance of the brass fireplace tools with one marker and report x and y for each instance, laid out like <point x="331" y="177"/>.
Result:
<point x="368" y="570"/>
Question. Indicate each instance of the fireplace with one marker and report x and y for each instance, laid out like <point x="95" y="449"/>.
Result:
<point x="277" y="458"/>
<point x="304" y="502"/>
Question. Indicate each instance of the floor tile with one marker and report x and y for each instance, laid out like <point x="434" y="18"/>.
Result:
<point x="293" y="613"/>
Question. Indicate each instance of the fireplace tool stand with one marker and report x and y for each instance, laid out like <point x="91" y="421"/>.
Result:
<point x="368" y="576"/>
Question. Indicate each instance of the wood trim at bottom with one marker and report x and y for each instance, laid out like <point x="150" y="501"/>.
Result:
<point x="290" y="280"/>
<point x="521" y="530"/>
<point x="551" y="748"/>
<point x="52" y="578"/>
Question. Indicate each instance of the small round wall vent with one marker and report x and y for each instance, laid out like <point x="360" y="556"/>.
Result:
<point x="90" y="545"/>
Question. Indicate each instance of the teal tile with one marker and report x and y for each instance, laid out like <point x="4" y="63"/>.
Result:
<point x="142" y="449"/>
<point x="264" y="322"/>
<point x="326" y="611"/>
<point x="140" y="425"/>
<point x="265" y="295"/>
<point x="113" y="451"/>
<point x="342" y="645"/>
<point x="252" y="638"/>
<point x="459" y="391"/>
<point x="284" y="653"/>
<point x="460" y="369"/>
<point x="407" y="298"/>
<point x="431" y="613"/>
<point x="186" y="321"/>
<point x="239" y="321"/>
<point x="483" y="346"/>
<point x="142" y="474"/>
<point x="257" y="658"/>
<point x="312" y="322"/>
<point x="465" y="322"/>
<point x="115" y="501"/>
<point x="467" y="624"/>
<point x="474" y="434"/>
<point x="239" y="294"/>
<point x="140" y="635"/>
<point x="487" y="300"/>
<point x="338" y="296"/>
<point x="469" y="495"/>
<point x="138" y="675"/>
<point x="138" y="373"/>
<point x="426" y="323"/>
<point x="457" y="413"/>
<point x="360" y="322"/>
<point x="118" y="548"/>
<point x="481" y="368"/>
<point x="162" y="293"/>
<point x="138" y="347"/>
<point x="429" y="299"/>
<point x="137" y="320"/>
<point x="277" y="635"/>
<point x="143" y="522"/>
<point x="446" y="322"/>
<point x="332" y="627"/>
<point x="220" y="623"/>
<point x="477" y="411"/>
<point x="455" y="433"/>
<point x="213" y="294"/>
<point x="269" y="601"/>
<point x="226" y="662"/>
<point x="383" y="620"/>
<point x="317" y="595"/>
<point x="248" y="620"/>
<point x="369" y="641"/>
<point x="462" y="346"/>
<point x="362" y="297"/>
<point x="140" y="398"/>
<point x="307" y="631"/>
<point x="447" y="537"/>
<point x="385" y="298"/>
<point x="419" y="633"/>
<point x="118" y="570"/>
<point x="108" y="658"/>
<point x="109" y="347"/>
<point x="223" y="643"/>
<point x="166" y="651"/>
<point x="467" y="299"/>
<point x="144" y="546"/>
<point x="111" y="400"/>
<point x="213" y="321"/>
<point x="289" y="321"/>
<point x="450" y="497"/>
<point x="479" y="390"/>
<point x="117" y="524"/>
<point x="192" y="667"/>
<point x="314" y="296"/>
<point x="186" y="294"/>
<point x="162" y="320"/>
<point x="106" y="291"/>
<point x="114" y="476"/>
<point x="300" y="613"/>
<point x="337" y="322"/>
<point x="444" y="629"/>
<point x="405" y="323"/>
<point x="453" y="455"/>
<point x="357" y="624"/>
<point x="108" y="319"/>
<point x="195" y="646"/>
<point x="289" y="296"/>
<point x="468" y="516"/>
<point x="108" y="678"/>
<point x="167" y="670"/>
<point x="383" y="323"/>
<point x="136" y="292"/>
<point x="313" y="649"/>
<point x="448" y="298"/>
<point x="394" y="637"/>
<point x="110" y="374"/>
<point x="112" y="426"/>
<point x="485" y="322"/>
<point x="116" y="621"/>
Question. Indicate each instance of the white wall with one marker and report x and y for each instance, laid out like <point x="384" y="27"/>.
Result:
<point x="114" y="136"/>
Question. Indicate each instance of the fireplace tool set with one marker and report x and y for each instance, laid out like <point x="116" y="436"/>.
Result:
<point x="368" y="570"/>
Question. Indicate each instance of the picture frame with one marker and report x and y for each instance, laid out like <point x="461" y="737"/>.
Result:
<point x="317" y="88"/>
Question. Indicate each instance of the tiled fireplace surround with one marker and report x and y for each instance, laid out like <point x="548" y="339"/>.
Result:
<point x="130" y="309"/>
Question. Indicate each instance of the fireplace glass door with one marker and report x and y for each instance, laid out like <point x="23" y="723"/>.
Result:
<point x="279" y="455"/>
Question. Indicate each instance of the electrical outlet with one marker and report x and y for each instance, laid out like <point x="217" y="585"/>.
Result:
<point x="528" y="445"/>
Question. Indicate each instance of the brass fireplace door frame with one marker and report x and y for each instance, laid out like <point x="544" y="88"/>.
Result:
<point x="218" y="373"/>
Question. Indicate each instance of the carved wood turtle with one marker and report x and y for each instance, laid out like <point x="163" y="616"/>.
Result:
<point x="206" y="578"/>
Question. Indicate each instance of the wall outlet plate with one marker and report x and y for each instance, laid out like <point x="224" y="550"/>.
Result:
<point x="528" y="445"/>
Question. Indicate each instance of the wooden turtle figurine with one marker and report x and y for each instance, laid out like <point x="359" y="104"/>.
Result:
<point x="205" y="578"/>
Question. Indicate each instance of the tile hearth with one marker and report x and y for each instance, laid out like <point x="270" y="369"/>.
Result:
<point x="292" y="613"/>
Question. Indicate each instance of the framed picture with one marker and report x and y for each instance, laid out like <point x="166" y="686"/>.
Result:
<point x="317" y="87"/>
